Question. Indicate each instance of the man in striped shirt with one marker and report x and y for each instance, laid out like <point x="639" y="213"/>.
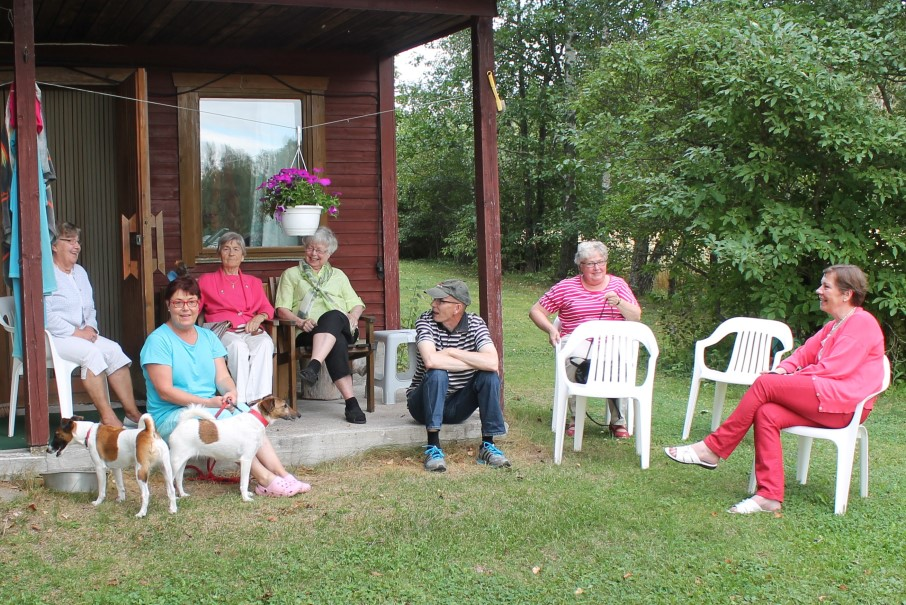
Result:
<point x="456" y="373"/>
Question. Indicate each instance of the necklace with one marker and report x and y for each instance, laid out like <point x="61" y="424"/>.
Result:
<point x="231" y="279"/>
<point x="834" y="329"/>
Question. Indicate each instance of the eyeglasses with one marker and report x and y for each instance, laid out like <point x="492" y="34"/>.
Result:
<point x="594" y="264"/>
<point x="71" y="240"/>
<point x="179" y="304"/>
<point x="441" y="301"/>
<point x="231" y="249"/>
<point x="315" y="250"/>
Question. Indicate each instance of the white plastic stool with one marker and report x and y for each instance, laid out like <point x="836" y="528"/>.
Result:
<point x="391" y="380"/>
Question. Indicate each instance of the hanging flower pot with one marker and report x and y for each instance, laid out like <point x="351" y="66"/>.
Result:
<point x="293" y="193"/>
<point x="300" y="220"/>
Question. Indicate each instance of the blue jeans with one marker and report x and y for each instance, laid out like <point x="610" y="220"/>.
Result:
<point x="430" y="406"/>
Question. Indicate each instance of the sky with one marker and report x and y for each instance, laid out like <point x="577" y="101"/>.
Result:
<point x="405" y="63"/>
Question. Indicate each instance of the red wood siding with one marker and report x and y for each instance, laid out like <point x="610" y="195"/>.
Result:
<point x="352" y="165"/>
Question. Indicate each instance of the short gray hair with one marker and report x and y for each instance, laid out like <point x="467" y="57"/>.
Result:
<point x="67" y="229"/>
<point x="586" y="249"/>
<point x="231" y="236"/>
<point x="325" y="237"/>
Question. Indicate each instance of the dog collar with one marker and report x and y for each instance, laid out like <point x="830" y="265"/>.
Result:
<point x="88" y="435"/>
<point x="258" y="415"/>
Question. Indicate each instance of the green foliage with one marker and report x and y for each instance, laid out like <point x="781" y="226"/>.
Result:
<point x="762" y="144"/>
<point x="378" y="529"/>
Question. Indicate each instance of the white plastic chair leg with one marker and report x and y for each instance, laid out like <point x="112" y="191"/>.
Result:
<point x="581" y="408"/>
<point x="752" y="484"/>
<point x="720" y="395"/>
<point x="14" y="393"/>
<point x="556" y="401"/>
<point x="845" y="454"/>
<point x="863" y="461"/>
<point x="64" y="392"/>
<point x="690" y="406"/>
<point x="560" y="408"/>
<point x="803" y="459"/>
<point x="643" y="434"/>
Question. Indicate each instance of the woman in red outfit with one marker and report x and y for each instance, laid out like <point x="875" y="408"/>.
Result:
<point x="820" y="385"/>
<point x="230" y="295"/>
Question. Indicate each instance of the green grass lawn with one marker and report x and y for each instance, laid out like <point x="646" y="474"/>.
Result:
<point x="378" y="529"/>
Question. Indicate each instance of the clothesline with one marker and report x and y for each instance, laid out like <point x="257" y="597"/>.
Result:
<point x="176" y="107"/>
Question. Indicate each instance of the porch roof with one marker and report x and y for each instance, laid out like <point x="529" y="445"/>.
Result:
<point x="380" y="27"/>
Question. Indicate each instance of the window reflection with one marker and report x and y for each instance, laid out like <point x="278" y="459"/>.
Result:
<point x="243" y="142"/>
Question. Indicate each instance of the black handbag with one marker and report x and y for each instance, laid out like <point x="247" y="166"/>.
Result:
<point x="582" y="370"/>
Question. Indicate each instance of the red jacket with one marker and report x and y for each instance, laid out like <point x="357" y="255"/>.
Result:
<point x="850" y="366"/>
<point x="236" y="301"/>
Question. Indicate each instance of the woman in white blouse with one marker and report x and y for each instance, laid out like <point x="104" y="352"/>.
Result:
<point x="71" y="319"/>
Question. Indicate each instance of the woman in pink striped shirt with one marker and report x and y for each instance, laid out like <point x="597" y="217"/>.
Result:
<point x="591" y="295"/>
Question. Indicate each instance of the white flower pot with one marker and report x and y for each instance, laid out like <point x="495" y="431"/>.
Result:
<point x="301" y="220"/>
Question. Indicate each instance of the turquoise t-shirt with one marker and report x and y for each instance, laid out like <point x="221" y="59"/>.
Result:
<point x="193" y="370"/>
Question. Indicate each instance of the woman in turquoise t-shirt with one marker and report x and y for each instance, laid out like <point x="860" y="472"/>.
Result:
<point x="185" y="364"/>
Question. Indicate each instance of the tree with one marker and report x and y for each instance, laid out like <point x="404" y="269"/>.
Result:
<point x="759" y="145"/>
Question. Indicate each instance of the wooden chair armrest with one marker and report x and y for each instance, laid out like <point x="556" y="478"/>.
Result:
<point x="369" y="328"/>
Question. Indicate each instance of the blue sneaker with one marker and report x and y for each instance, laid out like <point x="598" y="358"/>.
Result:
<point x="490" y="455"/>
<point x="434" y="459"/>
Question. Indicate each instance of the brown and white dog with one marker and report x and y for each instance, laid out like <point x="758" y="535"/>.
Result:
<point x="117" y="448"/>
<point x="233" y="439"/>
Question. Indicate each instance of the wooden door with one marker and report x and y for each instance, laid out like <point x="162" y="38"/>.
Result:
<point x="140" y="231"/>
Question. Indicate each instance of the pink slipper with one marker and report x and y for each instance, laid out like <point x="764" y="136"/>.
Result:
<point x="279" y="487"/>
<point x="571" y="429"/>
<point x="301" y="486"/>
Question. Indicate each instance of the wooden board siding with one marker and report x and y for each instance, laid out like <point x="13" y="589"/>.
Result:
<point x="352" y="164"/>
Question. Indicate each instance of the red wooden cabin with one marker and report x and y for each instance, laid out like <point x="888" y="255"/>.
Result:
<point x="122" y="82"/>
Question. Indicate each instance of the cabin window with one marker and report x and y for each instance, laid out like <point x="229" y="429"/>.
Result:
<point x="242" y="143"/>
<point x="234" y="132"/>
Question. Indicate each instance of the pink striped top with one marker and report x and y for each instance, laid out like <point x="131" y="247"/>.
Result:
<point x="573" y="304"/>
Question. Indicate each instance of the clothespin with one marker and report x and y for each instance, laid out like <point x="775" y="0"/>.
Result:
<point x="501" y="104"/>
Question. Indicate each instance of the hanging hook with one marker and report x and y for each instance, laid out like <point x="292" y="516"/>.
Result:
<point x="299" y="159"/>
<point x="501" y="104"/>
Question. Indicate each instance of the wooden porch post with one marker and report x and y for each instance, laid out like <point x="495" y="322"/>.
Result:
<point x="390" y="242"/>
<point x="32" y="321"/>
<point x="487" y="193"/>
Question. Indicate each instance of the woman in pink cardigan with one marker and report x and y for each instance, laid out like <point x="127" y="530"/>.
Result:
<point x="820" y="384"/>
<point x="230" y="295"/>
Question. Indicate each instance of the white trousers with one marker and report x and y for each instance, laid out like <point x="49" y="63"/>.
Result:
<point x="250" y="361"/>
<point x="101" y="356"/>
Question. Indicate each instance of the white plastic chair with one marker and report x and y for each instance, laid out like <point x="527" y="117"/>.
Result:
<point x="581" y="353"/>
<point x="845" y="439"/>
<point x="614" y="353"/>
<point x="62" y="368"/>
<point x="751" y="356"/>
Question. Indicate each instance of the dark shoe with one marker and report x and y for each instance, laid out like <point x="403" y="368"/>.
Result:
<point x="490" y="455"/>
<point x="355" y="415"/>
<point x="309" y="375"/>
<point x="434" y="459"/>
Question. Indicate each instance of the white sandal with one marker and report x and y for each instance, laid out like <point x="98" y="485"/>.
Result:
<point x="747" y="507"/>
<point x="686" y="455"/>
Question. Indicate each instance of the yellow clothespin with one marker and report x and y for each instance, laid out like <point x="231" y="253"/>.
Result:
<point x="501" y="104"/>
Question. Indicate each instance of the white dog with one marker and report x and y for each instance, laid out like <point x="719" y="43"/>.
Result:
<point x="117" y="448"/>
<point x="232" y="439"/>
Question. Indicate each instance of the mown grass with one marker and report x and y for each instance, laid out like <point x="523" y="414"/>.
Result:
<point x="378" y="529"/>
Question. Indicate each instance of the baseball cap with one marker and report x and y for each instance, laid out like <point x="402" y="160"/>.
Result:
<point x="452" y="287"/>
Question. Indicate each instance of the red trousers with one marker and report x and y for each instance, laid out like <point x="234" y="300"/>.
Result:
<point x="773" y="402"/>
